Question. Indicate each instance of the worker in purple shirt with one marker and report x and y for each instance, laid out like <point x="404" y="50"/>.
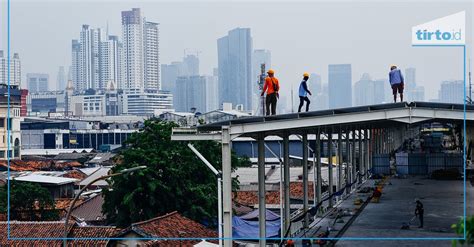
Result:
<point x="397" y="82"/>
<point x="303" y="92"/>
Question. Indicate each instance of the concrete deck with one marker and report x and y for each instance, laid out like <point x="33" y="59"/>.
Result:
<point x="443" y="203"/>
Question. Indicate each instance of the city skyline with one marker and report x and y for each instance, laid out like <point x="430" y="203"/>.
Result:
<point x="288" y="65"/>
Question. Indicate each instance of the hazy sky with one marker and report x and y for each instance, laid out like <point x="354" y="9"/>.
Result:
<point x="302" y="36"/>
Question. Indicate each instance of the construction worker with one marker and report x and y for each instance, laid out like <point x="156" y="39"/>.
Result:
<point x="303" y="92"/>
<point x="419" y="211"/>
<point x="272" y="87"/>
<point x="397" y="82"/>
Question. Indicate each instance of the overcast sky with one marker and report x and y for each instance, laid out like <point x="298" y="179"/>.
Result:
<point x="302" y="36"/>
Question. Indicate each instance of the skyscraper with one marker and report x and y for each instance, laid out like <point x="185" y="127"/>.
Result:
<point x="76" y="65"/>
<point x="61" y="79"/>
<point x="190" y="66"/>
<point x="132" y="37"/>
<point x="151" y="55"/>
<point x="340" y="85"/>
<point x="90" y="40"/>
<point x="452" y="92"/>
<point x="169" y="74"/>
<point x="260" y="56"/>
<point x="110" y="62"/>
<point x="368" y="91"/>
<point x="235" y="68"/>
<point x="191" y="93"/>
<point x="37" y="82"/>
<point x="15" y="69"/>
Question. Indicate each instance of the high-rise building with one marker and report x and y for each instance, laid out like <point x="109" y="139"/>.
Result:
<point x="147" y="102"/>
<point x="169" y="74"/>
<point x="110" y="62"/>
<point x="75" y="69"/>
<point x="452" y="92"/>
<point x="15" y="69"/>
<point x="191" y="94"/>
<point x="235" y="68"/>
<point x="61" y="79"/>
<point x="259" y="57"/>
<point x="418" y="94"/>
<point x="151" y="55"/>
<point x="410" y="79"/>
<point x="90" y="40"/>
<point x="37" y="82"/>
<point x="132" y="37"/>
<point x="212" y="93"/>
<point x="340" y="85"/>
<point x="368" y="91"/>
<point x="190" y="66"/>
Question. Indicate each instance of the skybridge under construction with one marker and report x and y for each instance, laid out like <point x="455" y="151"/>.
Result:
<point x="355" y="135"/>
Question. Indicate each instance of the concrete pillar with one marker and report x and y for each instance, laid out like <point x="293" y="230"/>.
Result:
<point x="286" y="179"/>
<point x="339" y="158"/>
<point x="319" y="182"/>
<point x="369" y="149"/>
<point x="330" y="172"/>
<point x="261" y="190"/>
<point x="305" y="178"/>
<point x="367" y="153"/>
<point x="227" y="186"/>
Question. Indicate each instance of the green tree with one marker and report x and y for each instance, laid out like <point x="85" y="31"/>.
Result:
<point x="174" y="180"/>
<point x="459" y="228"/>
<point x="28" y="201"/>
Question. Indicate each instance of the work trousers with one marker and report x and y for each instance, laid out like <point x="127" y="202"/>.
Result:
<point x="271" y="103"/>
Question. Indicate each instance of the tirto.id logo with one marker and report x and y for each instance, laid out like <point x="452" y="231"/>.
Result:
<point x="447" y="30"/>
<point x="439" y="35"/>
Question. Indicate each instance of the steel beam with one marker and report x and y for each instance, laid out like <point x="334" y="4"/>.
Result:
<point x="318" y="167"/>
<point x="348" y="160"/>
<point x="359" y="165"/>
<point x="286" y="177"/>
<point x="305" y="179"/>
<point x="330" y="168"/>
<point x="261" y="190"/>
<point x="354" y="158"/>
<point x="339" y="159"/>
<point x="227" y="185"/>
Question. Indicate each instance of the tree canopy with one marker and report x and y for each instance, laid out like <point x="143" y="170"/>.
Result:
<point x="28" y="201"/>
<point x="175" y="179"/>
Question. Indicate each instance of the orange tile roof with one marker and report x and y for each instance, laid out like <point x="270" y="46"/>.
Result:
<point x="273" y="197"/>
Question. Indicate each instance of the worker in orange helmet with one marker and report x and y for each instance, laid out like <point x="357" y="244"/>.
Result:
<point x="272" y="87"/>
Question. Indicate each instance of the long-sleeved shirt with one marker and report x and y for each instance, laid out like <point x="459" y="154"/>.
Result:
<point x="395" y="77"/>
<point x="271" y="85"/>
<point x="303" y="90"/>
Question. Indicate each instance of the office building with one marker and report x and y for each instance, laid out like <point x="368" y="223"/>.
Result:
<point x="110" y="62"/>
<point x="132" y="38"/>
<point x="61" y="79"/>
<point x="191" y="94"/>
<point x="235" y="68"/>
<point x="190" y="66"/>
<point x="15" y="69"/>
<point x="147" y="103"/>
<point x="169" y="74"/>
<point x="75" y="69"/>
<point x="45" y="102"/>
<point x="452" y="92"/>
<point x="340" y="85"/>
<point x="37" y="82"/>
<point x="212" y="93"/>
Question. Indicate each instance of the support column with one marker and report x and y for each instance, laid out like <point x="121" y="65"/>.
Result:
<point x="227" y="186"/>
<point x="359" y="165"/>
<point x="286" y="178"/>
<point x="368" y="137"/>
<point x="305" y="178"/>
<point x="330" y="172"/>
<point x="353" y="156"/>
<point x="339" y="159"/>
<point x="318" y="167"/>
<point x="261" y="190"/>
<point x="348" y="160"/>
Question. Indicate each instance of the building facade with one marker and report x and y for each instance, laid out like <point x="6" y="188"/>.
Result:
<point x="151" y="56"/>
<point x="10" y="133"/>
<point x="15" y="69"/>
<point x="340" y="85"/>
<point x="235" y="68"/>
<point x="37" y="82"/>
<point x="147" y="103"/>
<point x="452" y="92"/>
<point x="191" y="94"/>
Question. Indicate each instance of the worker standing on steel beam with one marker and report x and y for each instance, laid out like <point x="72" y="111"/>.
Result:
<point x="303" y="92"/>
<point x="272" y="87"/>
<point x="397" y="82"/>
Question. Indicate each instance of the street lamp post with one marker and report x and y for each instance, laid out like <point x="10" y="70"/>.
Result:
<point x="219" y="188"/>
<point x="124" y="171"/>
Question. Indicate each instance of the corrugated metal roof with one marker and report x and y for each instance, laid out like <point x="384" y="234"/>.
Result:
<point x="34" y="178"/>
<point x="102" y="171"/>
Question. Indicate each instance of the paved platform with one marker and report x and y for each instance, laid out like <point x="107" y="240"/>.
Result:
<point x="443" y="203"/>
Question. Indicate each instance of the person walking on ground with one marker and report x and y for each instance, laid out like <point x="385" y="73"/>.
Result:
<point x="419" y="211"/>
<point x="397" y="82"/>
<point x="272" y="87"/>
<point x="303" y="92"/>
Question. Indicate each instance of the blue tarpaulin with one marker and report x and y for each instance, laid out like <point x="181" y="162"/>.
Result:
<point x="247" y="226"/>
